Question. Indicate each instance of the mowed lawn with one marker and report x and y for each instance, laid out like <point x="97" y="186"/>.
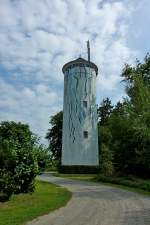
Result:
<point x="25" y="207"/>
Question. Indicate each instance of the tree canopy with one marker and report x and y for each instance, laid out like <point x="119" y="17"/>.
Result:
<point x="54" y="136"/>
<point x="128" y="125"/>
<point x="21" y="158"/>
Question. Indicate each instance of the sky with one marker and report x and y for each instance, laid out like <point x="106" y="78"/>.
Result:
<point x="37" y="37"/>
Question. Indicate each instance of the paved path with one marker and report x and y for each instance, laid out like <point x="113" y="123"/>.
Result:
<point x="97" y="204"/>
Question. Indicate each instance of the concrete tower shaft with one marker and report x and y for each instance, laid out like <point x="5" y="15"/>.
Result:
<point x="80" y="141"/>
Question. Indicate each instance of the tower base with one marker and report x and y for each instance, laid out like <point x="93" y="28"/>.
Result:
<point x="76" y="169"/>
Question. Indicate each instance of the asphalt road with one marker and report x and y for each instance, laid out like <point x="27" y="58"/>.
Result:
<point x="97" y="204"/>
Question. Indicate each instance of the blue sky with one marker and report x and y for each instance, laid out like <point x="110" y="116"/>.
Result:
<point x="38" y="36"/>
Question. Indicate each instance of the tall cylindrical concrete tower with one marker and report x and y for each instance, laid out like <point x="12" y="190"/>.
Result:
<point x="80" y="139"/>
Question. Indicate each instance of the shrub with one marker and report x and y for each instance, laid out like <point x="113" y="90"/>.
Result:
<point x="43" y="157"/>
<point x="18" y="160"/>
<point x="7" y="185"/>
<point x="106" y="165"/>
<point x="25" y="170"/>
<point x="18" y="169"/>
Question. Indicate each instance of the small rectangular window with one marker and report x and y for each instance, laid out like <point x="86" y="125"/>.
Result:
<point x="85" y="133"/>
<point x="85" y="104"/>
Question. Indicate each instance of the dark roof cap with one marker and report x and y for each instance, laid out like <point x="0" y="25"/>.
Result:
<point x="80" y="61"/>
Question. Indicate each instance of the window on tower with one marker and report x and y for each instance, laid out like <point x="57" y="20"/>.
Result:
<point x="85" y="134"/>
<point x="85" y="104"/>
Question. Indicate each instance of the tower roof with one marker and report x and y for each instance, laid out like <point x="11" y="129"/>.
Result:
<point x="78" y="62"/>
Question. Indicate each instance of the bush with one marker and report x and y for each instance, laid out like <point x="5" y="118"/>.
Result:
<point x="18" y="160"/>
<point x="7" y="163"/>
<point x="106" y="165"/>
<point x="18" y="169"/>
<point x="7" y="185"/>
<point x="25" y="170"/>
<point x="43" y="157"/>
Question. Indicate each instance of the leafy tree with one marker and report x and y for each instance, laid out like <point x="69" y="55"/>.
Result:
<point x="140" y="115"/>
<point x="129" y="124"/>
<point x="104" y="111"/>
<point x="16" y="132"/>
<point x="106" y="157"/>
<point x="54" y="136"/>
<point x="125" y="128"/>
<point x="129" y="74"/>
<point x="104" y="137"/>
<point x="141" y="68"/>
<point x="7" y="163"/>
<point x="121" y="139"/>
<point x="18" y="161"/>
<point x="43" y="156"/>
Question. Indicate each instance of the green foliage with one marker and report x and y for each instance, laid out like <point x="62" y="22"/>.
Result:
<point x="104" y="111"/>
<point x="54" y="136"/>
<point x="126" y="131"/>
<point x="126" y="181"/>
<point x="7" y="185"/>
<point x="136" y="130"/>
<point x="7" y="164"/>
<point x="142" y="69"/>
<point x="104" y="137"/>
<point x="15" y="132"/>
<point x="43" y="157"/>
<point x="18" y="161"/>
<point x="106" y="165"/>
<point x="25" y="170"/>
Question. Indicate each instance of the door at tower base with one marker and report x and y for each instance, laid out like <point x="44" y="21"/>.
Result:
<point x="80" y="140"/>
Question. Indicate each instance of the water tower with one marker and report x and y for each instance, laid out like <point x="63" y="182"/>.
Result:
<point x="80" y="139"/>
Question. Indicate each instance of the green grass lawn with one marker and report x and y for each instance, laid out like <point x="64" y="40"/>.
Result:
<point x="25" y="207"/>
<point x="128" y="183"/>
<point x="87" y="177"/>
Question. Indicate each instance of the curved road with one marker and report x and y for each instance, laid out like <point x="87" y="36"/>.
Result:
<point x="97" y="204"/>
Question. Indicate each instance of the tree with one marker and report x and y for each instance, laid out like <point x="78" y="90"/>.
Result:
<point x="129" y="123"/>
<point x="7" y="164"/>
<point x="129" y="74"/>
<point x="54" y="136"/>
<point x="104" y="137"/>
<point x="124" y="130"/>
<point x="42" y="156"/>
<point x="104" y="111"/>
<point x="18" y="161"/>
<point x="16" y="132"/>
<point x="121" y="138"/>
<point x="106" y="165"/>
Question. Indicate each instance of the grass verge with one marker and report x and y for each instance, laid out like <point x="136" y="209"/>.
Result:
<point x="128" y="183"/>
<point x="25" y="207"/>
<point x="86" y="177"/>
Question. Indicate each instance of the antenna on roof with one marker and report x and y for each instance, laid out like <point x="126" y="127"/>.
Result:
<point x="88" y="50"/>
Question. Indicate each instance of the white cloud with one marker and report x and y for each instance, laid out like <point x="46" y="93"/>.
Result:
<point x="38" y="36"/>
<point x="32" y="106"/>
